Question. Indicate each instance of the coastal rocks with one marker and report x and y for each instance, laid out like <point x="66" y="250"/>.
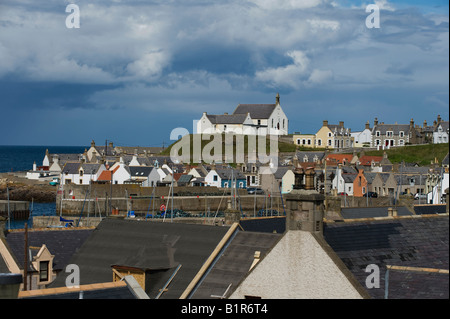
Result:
<point x="36" y="193"/>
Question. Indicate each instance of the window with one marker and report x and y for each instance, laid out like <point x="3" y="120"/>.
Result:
<point x="329" y="142"/>
<point x="215" y="178"/>
<point x="377" y="133"/>
<point x="225" y="184"/>
<point x="319" y="142"/>
<point x="309" y="141"/>
<point x="81" y="173"/>
<point x="303" y="141"/>
<point x="377" y="142"/>
<point x="241" y="184"/>
<point x="401" y="142"/>
<point x="389" y="133"/>
<point x="43" y="270"/>
<point x="224" y="127"/>
<point x="402" y="134"/>
<point x="253" y="179"/>
<point x="298" y="141"/>
<point x="329" y="134"/>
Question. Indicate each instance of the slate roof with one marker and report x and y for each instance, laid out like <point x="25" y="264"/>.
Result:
<point x="369" y="212"/>
<point x="444" y="125"/>
<point x="257" y="111"/>
<point x="227" y="118"/>
<point x="281" y="171"/>
<point x="349" y="178"/>
<point x="226" y="173"/>
<point x="62" y="243"/>
<point x="396" y="128"/>
<point x="117" y="239"/>
<point x="264" y="225"/>
<point x="90" y="168"/>
<point x="310" y="156"/>
<point x="234" y="263"/>
<point x="140" y="171"/>
<point x="412" y="242"/>
<point x="185" y="178"/>
<point x="430" y="209"/>
<point x="71" y="168"/>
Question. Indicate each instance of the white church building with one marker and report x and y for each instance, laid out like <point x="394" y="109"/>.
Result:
<point x="248" y="119"/>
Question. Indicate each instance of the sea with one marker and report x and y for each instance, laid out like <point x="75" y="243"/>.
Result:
<point x="19" y="158"/>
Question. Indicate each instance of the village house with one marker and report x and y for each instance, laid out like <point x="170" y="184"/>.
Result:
<point x="334" y="136"/>
<point x="385" y="136"/>
<point x="343" y="179"/>
<point x="100" y="150"/>
<point x="81" y="173"/>
<point x="441" y="132"/>
<point x="282" y="180"/>
<point x="48" y="254"/>
<point x="225" y="178"/>
<point x="305" y="140"/>
<point x="384" y="184"/>
<point x="248" y="119"/>
<point x="146" y="176"/>
<point x="363" y="138"/>
<point x="251" y="172"/>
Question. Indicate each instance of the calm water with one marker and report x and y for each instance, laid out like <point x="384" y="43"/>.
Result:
<point x="21" y="158"/>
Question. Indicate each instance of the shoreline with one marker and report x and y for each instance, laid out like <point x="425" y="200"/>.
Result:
<point x="22" y="189"/>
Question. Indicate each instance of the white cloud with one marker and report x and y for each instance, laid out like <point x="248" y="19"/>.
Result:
<point x="294" y="75"/>
<point x="149" y="67"/>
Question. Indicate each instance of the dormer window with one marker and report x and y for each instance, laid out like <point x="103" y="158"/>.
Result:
<point x="402" y="134"/>
<point x="377" y="133"/>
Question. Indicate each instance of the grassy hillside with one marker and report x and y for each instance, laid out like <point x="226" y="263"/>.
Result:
<point x="421" y="154"/>
<point x="282" y="146"/>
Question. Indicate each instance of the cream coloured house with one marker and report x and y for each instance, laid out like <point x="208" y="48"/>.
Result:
<point x="334" y="136"/>
<point x="305" y="140"/>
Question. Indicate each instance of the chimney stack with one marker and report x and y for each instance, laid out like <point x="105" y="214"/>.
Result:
<point x="375" y="122"/>
<point x="367" y="125"/>
<point x="325" y="123"/>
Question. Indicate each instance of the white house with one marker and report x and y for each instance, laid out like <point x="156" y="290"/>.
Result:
<point x="249" y="119"/>
<point x="89" y="172"/>
<point x="363" y="137"/>
<point x="146" y="176"/>
<point x="81" y="173"/>
<point x="121" y="172"/>
<point x="440" y="134"/>
<point x="224" y="123"/>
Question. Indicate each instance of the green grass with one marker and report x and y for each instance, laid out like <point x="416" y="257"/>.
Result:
<point x="420" y="154"/>
<point x="282" y="146"/>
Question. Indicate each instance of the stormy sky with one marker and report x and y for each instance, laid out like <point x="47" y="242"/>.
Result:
<point x="135" y="70"/>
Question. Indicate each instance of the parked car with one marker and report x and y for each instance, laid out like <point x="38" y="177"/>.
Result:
<point x="421" y="196"/>
<point x="371" y="194"/>
<point x="342" y="194"/>
<point x="254" y="190"/>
